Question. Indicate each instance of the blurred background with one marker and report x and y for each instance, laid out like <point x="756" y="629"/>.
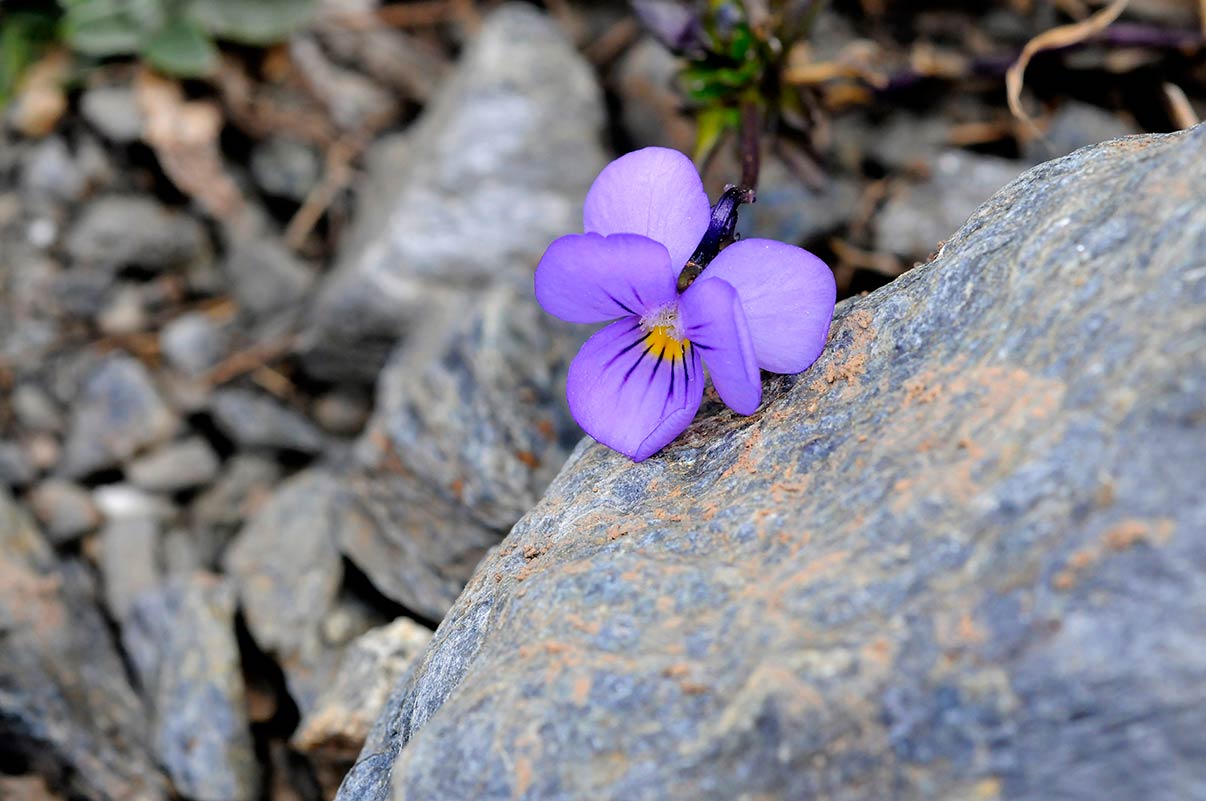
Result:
<point x="271" y="376"/>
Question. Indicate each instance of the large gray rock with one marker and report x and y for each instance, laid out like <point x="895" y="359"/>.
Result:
<point x="961" y="557"/>
<point x="473" y="404"/>
<point x="66" y="709"/>
<point x="181" y="642"/>
<point x="496" y="169"/>
<point x="420" y="548"/>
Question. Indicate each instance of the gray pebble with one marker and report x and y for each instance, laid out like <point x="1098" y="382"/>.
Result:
<point x="175" y="466"/>
<point x="64" y="509"/>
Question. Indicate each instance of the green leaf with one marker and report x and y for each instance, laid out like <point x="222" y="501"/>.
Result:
<point x="23" y="38"/>
<point x="182" y="49"/>
<point x="109" y="27"/>
<point x="712" y="124"/>
<point x="251" y="21"/>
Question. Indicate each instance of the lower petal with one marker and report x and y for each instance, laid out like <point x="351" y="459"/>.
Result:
<point x="788" y="295"/>
<point x="631" y="392"/>
<point x="714" y="322"/>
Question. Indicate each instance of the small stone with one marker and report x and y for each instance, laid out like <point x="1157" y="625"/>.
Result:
<point x="243" y="486"/>
<point x="135" y="231"/>
<point x="42" y="232"/>
<point x="43" y="451"/>
<point x="129" y="561"/>
<point x="920" y="216"/>
<point x="188" y="394"/>
<point x="114" y="112"/>
<point x="192" y="343"/>
<point x="124" y="500"/>
<point x="789" y="211"/>
<point x="285" y="167"/>
<point x="52" y="172"/>
<point x="124" y="313"/>
<point x="256" y="421"/>
<point x="176" y="466"/>
<point x="342" y="412"/>
<point x="35" y="409"/>
<point x="265" y="277"/>
<point x="288" y="569"/>
<point x="338" y="725"/>
<point x="1073" y="126"/>
<point x="180" y="554"/>
<point x="65" y="510"/>
<point x="26" y="788"/>
<point x="16" y="469"/>
<point x="653" y="112"/>
<point x="119" y="412"/>
<point x="182" y="644"/>
<point x="911" y="142"/>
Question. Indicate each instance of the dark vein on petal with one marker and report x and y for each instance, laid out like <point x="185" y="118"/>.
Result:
<point x="618" y="303"/>
<point x="634" y="365"/>
<point x="673" y="359"/>
<point x="657" y="364"/>
<point x="627" y="348"/>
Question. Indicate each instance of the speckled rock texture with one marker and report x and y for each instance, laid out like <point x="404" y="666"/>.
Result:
<point x="962" y="557"/>
<point x="67" y="710"/>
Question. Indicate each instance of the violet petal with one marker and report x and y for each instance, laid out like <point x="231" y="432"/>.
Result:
<point x="788" y="296"/>
<point x="630" y="397"/>
<point x="587" y="278"/>
<point x="655" y="192"/>
<point x="712" y="319"/>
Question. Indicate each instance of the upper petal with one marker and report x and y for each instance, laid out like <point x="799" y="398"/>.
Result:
<point x="628" y="396"/>
<point x="587" y="278"/>
<point x="713" y="320"/>
<point x="788" y="296"/>
<point x="655" y="192"/>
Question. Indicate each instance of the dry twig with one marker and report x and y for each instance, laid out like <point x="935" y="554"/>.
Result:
<point x="1062" y="36"/>
<point x="1179" y="108"/>
<point x="250" y="359"/>
<point x="336" y="178"/>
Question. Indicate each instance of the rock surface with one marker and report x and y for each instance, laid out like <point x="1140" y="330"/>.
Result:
<point x="288" y="570"/>
<point x="119" y="413"/>
<point x="66" y="709"/>
<point x="64" y="509"/>
<point x="340" y="721"/>
<point x="496" y="169"/>
<point x="961" y="557"/>
<point x="254" y="420"/>
<point x="176" y="466"/>
<point x="473" y="403"/>
<point x="181" y="641"/>
<point x="134" y="231"/>
<point x="914" y="221"/>
<point x="470" y="422"/>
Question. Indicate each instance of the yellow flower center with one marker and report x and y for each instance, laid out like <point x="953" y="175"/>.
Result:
<point x="663" y="345"/>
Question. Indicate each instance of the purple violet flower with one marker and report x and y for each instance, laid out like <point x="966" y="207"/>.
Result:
<point x="638" y="382"/>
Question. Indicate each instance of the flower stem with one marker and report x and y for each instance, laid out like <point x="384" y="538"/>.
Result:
<point x="720" y="233"/>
